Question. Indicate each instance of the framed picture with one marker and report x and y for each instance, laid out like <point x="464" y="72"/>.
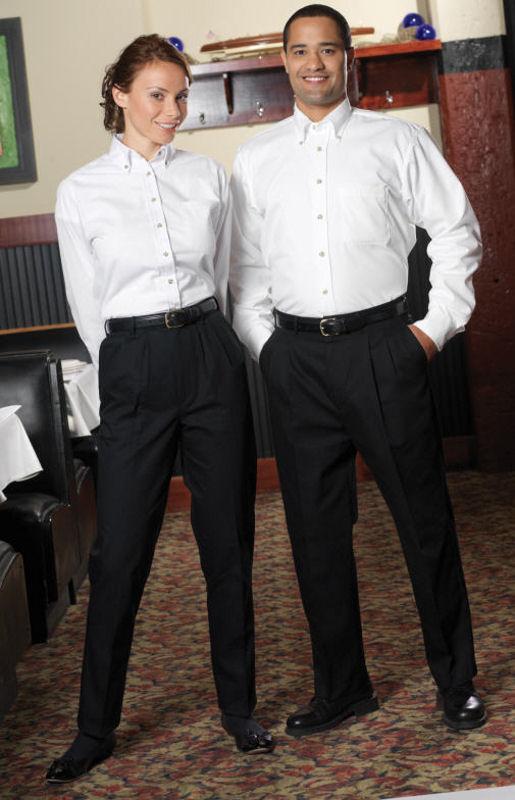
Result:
<point x="17" y="162"/>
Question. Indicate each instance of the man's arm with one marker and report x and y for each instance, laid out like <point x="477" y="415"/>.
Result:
<point x="436" y="201"/>
<point x="250" y="278"/>
<point x="77" y="263"/>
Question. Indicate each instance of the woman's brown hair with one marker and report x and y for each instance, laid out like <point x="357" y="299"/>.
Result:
<point x="121" y="73"/>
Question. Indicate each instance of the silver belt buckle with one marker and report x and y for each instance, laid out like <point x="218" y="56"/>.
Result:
<point x="169" y="321"/>
<point x="321" y="326"/>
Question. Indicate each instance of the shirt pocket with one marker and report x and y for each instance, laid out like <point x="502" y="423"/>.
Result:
<point x="362" y="210"/>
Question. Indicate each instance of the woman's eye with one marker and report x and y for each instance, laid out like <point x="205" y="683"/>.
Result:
<point x="182" y="98"/>
<point x="157" y="95"/>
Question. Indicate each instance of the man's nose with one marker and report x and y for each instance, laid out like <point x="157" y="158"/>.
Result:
<point x="314" y="61"/>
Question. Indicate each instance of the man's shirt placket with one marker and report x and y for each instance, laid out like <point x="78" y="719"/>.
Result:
<point x="317" y="143"/>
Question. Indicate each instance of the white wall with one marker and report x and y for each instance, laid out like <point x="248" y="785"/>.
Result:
<point x="67" y="46"/>
<point x="467" y="19"/>
<point x="69" y="42"/>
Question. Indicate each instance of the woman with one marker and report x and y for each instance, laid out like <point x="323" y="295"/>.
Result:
<point x="144" y="237"/>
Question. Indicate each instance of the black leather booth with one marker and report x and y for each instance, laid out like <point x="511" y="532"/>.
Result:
<point x="51" y="518"/>
<point x="14" y="622"/>
<point x="62" y="343"/>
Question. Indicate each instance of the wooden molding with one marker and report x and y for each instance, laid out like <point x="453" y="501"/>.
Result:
<point x="27" y="231"/>
<point x="34" y="328"/>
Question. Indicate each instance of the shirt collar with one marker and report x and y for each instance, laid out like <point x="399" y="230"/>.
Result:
<point x="337" y="120"/>
<point x="128" y="159"/>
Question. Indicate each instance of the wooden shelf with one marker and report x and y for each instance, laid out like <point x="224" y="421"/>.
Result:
<point x="274" y="60"/>
<point x="246" y="91"/>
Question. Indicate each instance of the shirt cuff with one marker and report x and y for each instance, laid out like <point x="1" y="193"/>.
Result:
<point x="439" y="326"/>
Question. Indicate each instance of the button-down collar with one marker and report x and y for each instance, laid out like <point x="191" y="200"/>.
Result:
<point x="337" y="120"/>
<point x="127" y="158"/>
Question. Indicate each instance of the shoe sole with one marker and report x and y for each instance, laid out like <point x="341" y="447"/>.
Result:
<point x="94" y="763"/>
<point x="466" y="725"/>
<point x="367" y="706"/>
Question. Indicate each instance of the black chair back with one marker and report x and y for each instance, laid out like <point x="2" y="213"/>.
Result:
<point x="33" y="380"/>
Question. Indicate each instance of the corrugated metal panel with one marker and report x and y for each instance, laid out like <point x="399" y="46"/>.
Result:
<point x="448" y="370"/>
<point x="32" y="287"/>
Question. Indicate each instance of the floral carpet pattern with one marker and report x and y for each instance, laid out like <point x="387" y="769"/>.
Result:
<point x="170" y="743"/>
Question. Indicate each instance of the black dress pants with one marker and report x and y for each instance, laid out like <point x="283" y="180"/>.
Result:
<point x="159" y="387"/>
<point x="366" y="390"/>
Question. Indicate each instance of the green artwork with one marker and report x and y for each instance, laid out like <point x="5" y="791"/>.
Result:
<point x="8" y="148"/>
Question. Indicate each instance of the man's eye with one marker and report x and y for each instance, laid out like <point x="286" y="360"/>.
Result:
<point x="298" y="52"/>
<point x="328" y="50"/>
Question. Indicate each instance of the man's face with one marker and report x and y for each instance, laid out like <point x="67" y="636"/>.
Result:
<point x="317" y="63"/>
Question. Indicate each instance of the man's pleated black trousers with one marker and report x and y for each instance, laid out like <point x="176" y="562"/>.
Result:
<point x="366" y="391"/>
<point x="159" y="387"/>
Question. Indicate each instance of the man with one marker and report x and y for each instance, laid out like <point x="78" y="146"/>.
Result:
<point x="326" y="205"/>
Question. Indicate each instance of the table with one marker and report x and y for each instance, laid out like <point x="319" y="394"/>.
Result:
<point x="82" y="398"/>
<point x="18" y="460"/>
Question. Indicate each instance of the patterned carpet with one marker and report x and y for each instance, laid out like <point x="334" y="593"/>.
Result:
<point x="170" y="742"/>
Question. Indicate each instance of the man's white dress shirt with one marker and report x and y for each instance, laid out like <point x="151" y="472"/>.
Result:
<point x="325" y="216"/>
<point x="142" y="237"/>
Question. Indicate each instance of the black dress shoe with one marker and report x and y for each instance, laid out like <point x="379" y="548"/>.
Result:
<point x="321" y="715"/>
<point x="463" y="709"/>
<point x="67" y="768"/>
<point x="248" y="734"/>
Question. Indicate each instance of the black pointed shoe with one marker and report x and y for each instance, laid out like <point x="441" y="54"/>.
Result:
<point x="463" y="709"/>
<point x="249" y="736"/>
<point x="322" y="715"/>
<point x="67" y="769"/>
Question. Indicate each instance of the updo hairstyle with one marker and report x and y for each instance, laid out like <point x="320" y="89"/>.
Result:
<point x="122" y="72"/>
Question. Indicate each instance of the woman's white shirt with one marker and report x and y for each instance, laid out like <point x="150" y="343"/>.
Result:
<point x="142" y="237"/>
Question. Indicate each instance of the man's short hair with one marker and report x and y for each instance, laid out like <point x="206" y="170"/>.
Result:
<point x="319" y="10"/>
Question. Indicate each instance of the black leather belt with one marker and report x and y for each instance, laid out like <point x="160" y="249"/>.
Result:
<point x="342" y="323"/>
<point x="168" y="319"/>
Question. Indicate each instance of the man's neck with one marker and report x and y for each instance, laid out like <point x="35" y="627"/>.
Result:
<point x="318" y="113"/>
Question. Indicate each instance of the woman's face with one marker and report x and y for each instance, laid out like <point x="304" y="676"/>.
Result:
<point x="154" y="106"/>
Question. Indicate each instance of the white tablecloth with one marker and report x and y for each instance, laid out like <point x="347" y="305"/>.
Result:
<point x="81" y="387"/>
<point x="18" y="459"/>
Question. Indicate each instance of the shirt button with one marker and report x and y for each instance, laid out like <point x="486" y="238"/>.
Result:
<point x="126" y="166"/>
<point x="149" y="173"/>
<point x="319" y="149"/>
<point x="170" y="280"/>
<point x="324" y="291"/>
<point x="166" y="253"/>
<point x="321" y="254"/>
<point x="153" y="199"/>
<point x="159" y="224"/>
<point x="320" y="216"/>
<point x="319" y="180"/>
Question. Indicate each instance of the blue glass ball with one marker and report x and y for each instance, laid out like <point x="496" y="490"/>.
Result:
<point x="425" y="31"/>
<point x="412" y="19"/>
<point x="177" y="43"/>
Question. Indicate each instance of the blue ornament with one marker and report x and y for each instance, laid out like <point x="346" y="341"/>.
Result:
<point x="412" y="19"/>
<point x="425" y="32"/>
<point x="177" y="43"/>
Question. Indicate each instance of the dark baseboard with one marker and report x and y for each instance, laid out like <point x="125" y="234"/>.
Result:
<point x="459" y="452"/>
